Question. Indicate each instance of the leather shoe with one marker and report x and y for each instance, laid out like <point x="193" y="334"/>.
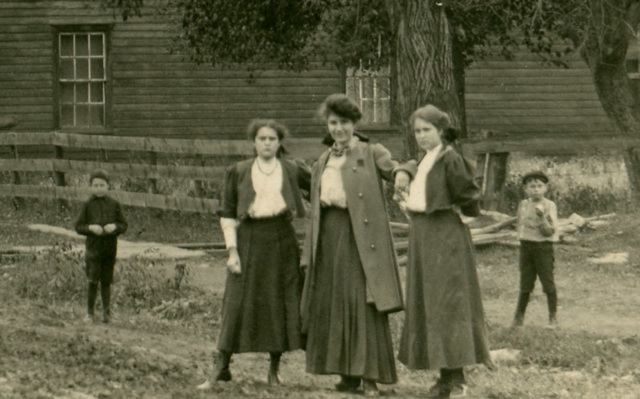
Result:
<point x="348" y="384"/>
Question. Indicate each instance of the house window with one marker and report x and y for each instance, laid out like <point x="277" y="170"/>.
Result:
<point x="370" y="89"/>
<point x="82" y="78"/>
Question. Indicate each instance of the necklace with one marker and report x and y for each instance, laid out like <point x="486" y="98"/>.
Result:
<point x="275" y="165"/>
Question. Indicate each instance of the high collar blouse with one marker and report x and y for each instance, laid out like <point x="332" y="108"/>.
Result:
<point x="331" y="186"/>
<point x="267" y="184"/>
<point x="417" y="200"/>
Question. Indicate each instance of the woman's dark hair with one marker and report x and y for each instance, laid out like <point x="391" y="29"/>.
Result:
<point x="341" y="105"/>
<point x="281" y="131"/>
<point x="439" y="119"/>
<point x="433" y="115"/>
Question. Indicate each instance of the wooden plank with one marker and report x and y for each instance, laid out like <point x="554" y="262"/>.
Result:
<point x="165" y="202"/>
<point x="534" y="119"/>
<point x="257" y="108"/>
<point x="222" y="115"/>
<point x="213" y="173"/>
<point x="550" y="89"/>
<point x="566" y="144"/>
<point x="15" y="60"/>
<point x="540" y="80"/>
<point x="211" y="86"/>
<point x="204" y="123"/>
<point x="561" y="96"/>
<point x="510" y="73"/>
<point x="169" y="72"/>
<point x="180" y="97"/>
<point x="524" y="64"/>
<point x="473" y="105"/>
<point x="148" y="144"/>
<point x="596" y="112"/>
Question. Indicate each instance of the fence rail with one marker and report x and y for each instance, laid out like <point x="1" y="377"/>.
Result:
<point x="62" y="143"/>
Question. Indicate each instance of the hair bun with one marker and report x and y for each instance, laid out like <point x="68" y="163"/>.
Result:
<point x="451" y="134"/>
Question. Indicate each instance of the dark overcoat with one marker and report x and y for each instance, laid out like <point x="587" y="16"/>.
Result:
<point x="365" y="166"/>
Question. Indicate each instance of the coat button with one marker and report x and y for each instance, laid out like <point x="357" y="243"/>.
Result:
<point x="354" y="168"/>
<point x="360" y="195"/>
<point x="366" y="221"/>
<point x="373" y="246"/>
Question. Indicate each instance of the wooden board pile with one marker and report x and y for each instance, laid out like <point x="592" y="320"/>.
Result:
<point x="499" y="228"/>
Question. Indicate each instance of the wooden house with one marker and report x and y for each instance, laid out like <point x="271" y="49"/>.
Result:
<point x="71" y="66"/>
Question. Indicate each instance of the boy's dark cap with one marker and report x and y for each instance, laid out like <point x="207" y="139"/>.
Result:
<point x="99" y="174"/>
<point x="538" y="175"/>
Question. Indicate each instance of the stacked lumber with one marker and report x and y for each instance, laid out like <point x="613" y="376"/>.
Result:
<point x="503" y="230"/>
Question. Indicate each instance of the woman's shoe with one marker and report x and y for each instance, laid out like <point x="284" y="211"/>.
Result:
<point x="348" y="384"/>
<point x="439" y="390"/>
<point x="370" y="389"/>
<point x="273" y="378"/>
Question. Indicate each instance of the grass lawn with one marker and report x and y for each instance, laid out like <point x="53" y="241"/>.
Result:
<point x="161" y="341"/>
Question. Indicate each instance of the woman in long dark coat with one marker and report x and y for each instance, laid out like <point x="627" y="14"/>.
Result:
<point x="352" y="278"/>
<point x="261" y="305"/>
<point x="444" y="319"/>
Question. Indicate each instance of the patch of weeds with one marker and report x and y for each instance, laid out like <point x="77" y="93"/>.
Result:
<point x="59" y="275"/>
<point x="56" y="274"/>
<point x="556" y="348"/>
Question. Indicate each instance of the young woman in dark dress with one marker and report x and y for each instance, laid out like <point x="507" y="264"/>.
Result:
<point x="261" y="305"/>
<point x="444" y="319"/>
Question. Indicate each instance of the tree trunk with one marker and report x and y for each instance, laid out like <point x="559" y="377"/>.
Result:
<point x="423" y="62"/>
<point x="605" y="53"/>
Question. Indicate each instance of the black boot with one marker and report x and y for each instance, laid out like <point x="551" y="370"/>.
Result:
<point x="348" y="383"/>
<point x="105" y="294"/>
<point x="222" y="366"/>
<point x="552" y="303"/>
<point x="521" y="308"/>
<point x="92" y="294"/>
<point x="273" y="378"/>
<point x="220" y="370"/>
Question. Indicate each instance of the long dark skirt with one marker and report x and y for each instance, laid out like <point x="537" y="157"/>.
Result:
<point x="346" y="335"/>
<point x="444" y="318"/>
<point x="261" y="306"/>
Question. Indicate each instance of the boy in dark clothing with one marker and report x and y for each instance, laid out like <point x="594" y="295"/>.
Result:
<point x="101" y="220"/>
<point x="537" y="231"/>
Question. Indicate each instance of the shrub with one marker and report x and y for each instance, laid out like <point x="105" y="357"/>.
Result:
<point x="58" y="274"/>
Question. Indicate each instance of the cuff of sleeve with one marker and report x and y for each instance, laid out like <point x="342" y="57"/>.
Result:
<point x="408" y="167"/>
<point x="229" y="227"/>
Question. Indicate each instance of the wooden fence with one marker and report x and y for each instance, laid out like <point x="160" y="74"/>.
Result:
<point x="61" y="144"/>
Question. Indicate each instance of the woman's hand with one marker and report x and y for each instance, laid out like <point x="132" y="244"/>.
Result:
<point x="233" y="263"/>
<point x="96" y="229"/>
<point x="110" y="228"/>
<point x="402" y="181"/>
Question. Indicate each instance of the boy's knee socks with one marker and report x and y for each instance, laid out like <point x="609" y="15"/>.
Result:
<point x="523" y="301"/>
<point x="92" y="294"/>
<point x="552" y="302"/>
<point x="105" y="293"/>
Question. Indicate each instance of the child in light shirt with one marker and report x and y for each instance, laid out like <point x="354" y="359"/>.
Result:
<point x="537" y="231"/>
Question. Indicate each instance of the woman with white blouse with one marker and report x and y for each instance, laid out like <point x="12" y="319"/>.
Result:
<point x="444" y="326"/>
<point x="352" y="281"/>
<point x="260" y="311"/>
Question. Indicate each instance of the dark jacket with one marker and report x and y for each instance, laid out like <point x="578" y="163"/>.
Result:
<point x="101" y="211"/>
<point x="238" y="193"/>
<point x="450" y="183"/>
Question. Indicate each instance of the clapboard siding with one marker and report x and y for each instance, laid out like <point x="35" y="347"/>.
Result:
<point x="156" y="92"/>
<point x="526" y="96"/>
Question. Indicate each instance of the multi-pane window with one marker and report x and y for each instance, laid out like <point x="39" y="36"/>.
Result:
<point x="82" y="79"/>
<point x="370" y="89"/>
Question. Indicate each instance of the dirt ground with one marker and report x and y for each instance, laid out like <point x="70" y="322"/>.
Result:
<point x="47" y="351"/>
